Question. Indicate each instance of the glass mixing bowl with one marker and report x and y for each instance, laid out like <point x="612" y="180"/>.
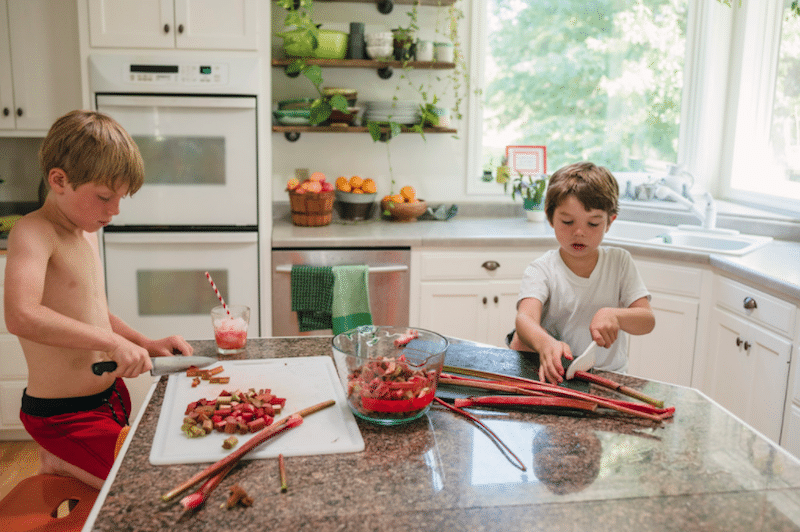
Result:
<point x="389" y="373"/>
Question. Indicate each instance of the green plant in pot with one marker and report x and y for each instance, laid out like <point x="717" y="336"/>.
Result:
<point x="530" y="188"/>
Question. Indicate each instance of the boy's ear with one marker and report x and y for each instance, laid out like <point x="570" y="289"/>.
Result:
<point x="57" y="179"/>
<point x="610" y="220"/>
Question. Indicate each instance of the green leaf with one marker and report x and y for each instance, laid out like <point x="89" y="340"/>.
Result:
<point x="395" y="129"/>
<point x="314" y="74"/>
<point x="374" y="131"/>
<point x="339" y="102"/>
<point x="295" y="67"/>
<point x="320" y="111"/>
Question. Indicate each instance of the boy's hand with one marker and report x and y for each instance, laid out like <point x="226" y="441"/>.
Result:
<point x="132" y="360"/>
<point x="169" y="346"/>
<point x="550" y="367"/>
<point x="605" y="327"/>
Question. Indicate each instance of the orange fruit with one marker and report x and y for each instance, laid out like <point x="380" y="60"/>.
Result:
<point x="408" y="193"/>
<point x="344" y="187"/>
<point x="313" y="186"/>
<point x="356" y="182"/>
<point x="369" y="186"/>
<point x="397" y="198"/>
<point x="386" y="199"/>
<point x="317" y="176"/>
<point x="292" y="184"/>
<point x="357" y="191"/>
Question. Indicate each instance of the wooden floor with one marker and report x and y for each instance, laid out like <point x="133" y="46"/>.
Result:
<point x="18" y="460"/>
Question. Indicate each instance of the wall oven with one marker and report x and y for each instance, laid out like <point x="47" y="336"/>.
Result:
<point x="195" y="122"/>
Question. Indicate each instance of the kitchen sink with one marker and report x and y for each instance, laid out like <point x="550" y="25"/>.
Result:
<point x="685" y="237"/>
<point x="726" y="243"/>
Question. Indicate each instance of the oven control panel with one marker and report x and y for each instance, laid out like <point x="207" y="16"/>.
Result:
<point x="187" y="74"/>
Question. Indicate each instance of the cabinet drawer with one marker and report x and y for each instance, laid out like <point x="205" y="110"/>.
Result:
<point x="452" y="265"/>
<point x="671" y="279"/>
<point x="10" y="400"/>
<point x="769" y="311"/>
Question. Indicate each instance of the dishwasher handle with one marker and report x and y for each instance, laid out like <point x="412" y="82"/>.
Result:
<point x="392" y="268"/>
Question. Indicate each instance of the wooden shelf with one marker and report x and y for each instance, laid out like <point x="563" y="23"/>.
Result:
<point x="292" y="133"/>
<point x="442" y="3"/>
<point x="367" y="63"/>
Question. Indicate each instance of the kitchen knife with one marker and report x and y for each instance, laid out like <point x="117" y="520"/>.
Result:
<point x="161" y="365"/>
<point x="584" y="362"/>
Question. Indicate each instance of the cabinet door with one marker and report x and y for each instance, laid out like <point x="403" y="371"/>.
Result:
<point x="45" y="60"/>
<point x="454" y="309"/>
<point x="205" y="24"/>
<point x="10" y="399"/>
<point x="131" y="23"/>
<point x="667" y="353"/>
<point x="751" y="369"/>
<point x="6" y="81"/>
<point x="503" y="311"/>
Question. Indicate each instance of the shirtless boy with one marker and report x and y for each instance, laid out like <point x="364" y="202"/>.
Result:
<point x="55" y="300"/>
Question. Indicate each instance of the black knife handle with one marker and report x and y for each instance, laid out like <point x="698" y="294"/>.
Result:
<point x="98" y="368"/>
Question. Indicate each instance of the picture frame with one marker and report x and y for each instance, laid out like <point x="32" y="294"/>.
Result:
<point x="527" y="160"/>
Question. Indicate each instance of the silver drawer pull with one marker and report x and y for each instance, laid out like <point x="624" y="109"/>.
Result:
<point x="287" y="268"/>
<point x="750" y="303"/>
<point x="490" y="265"/>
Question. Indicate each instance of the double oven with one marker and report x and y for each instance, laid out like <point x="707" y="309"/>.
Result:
<point x="195" y="122"/>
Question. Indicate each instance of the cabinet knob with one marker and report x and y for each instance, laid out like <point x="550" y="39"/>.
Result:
<point x="19" y="111"/>
<point x="491" y="265"/>
<point x="750" y="303"/>
<point x="485" y="300"/>
<point x="166" y="28"/>
<point x="180" y="28"/>
<point x="739" y="341"/>
<point x="747" y="345"/>
<point x="6" y="111"/>
<point x="496" y="299"/>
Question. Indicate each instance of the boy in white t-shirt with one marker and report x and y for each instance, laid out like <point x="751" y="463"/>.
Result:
<point x="581" y="291"/>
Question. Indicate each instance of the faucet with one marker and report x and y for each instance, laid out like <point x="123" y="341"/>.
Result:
<point x="707" y="216"/>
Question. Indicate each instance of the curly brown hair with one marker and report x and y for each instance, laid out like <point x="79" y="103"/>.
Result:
<point x="92" y="147"/>
<point x="594" y="186"/>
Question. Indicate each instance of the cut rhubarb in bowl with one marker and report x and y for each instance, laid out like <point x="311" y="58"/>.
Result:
<point x="389" y="373"/>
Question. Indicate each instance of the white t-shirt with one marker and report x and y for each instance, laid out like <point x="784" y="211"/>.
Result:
<point x="570" y="302"/>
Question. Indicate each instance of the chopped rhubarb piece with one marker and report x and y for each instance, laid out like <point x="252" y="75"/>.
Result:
<point x="192" y="371"/>
<point x="230" y="442"/>
<point x="214" y="371"/>
<point x="219" y="380"/>
<point x="256" y="424"/>
<point x="281" y="401"/>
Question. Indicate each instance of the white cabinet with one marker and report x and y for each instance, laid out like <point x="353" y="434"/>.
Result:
<point x="187" y="24"/>
<point x="468" y="294"/>
<point x="749" y="352"/>
<point x="667" y="353"/>
<point x="13" y="375"/>
<point x="39" y="62"/>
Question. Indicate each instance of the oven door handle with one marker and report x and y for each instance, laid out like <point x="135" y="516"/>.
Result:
<point x="392" y="268"/>
<point x="205" y="102"/>
<point x="188" y="237"/>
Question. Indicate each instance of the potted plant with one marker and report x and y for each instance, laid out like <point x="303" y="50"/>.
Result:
<point x="530" y="187"/>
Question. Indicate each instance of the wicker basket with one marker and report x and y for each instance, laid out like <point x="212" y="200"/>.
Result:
<point x="311" y="209"/>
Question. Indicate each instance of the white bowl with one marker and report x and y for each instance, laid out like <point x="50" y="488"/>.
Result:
<point x="378" y="39"/>
<point x="380" y="52"/>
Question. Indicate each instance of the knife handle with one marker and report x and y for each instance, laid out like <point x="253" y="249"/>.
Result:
<point x="98" y="368"/>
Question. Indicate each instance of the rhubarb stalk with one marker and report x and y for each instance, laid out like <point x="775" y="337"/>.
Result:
<point x="198" y="498"/>
<point x="282" y="469"/>
<point x="608" y="383"/>
<point x="561" y="402"/>
<point x="259" y="438"/>
<point x="489" y="431"/>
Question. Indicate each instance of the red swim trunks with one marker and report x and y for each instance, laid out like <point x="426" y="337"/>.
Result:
<point x="84" y="431"/>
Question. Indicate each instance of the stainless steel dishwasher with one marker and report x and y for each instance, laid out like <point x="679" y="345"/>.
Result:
<point x="389" y="283"/>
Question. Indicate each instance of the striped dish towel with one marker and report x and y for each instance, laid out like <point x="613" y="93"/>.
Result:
<point x="350" y="298"/>
<point x="312" y="296"/>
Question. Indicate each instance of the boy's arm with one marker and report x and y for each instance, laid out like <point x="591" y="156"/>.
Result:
<point x="637" y="319"/>
<point x="156" y="348"/>
<point x="532" y="334"/>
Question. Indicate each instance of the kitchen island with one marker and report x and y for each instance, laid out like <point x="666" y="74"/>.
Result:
<point x="702" y="470"/>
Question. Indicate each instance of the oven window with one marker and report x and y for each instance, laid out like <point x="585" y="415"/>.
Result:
<point x="178" y="292"/>
<point x="183" y="160"/>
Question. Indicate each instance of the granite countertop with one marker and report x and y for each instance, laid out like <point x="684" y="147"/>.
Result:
<point x="702" y="470"/>
<point x="772" y="267"/>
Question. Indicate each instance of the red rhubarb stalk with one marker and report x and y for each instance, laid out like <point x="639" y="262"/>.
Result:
<point x="198" y="498"/>
<point x="561" y="402"/>
<point x="282" y="470"/>
<point x="492" y="435"/>
<point x="259" y="438"/>
<point x="608" y="383"/>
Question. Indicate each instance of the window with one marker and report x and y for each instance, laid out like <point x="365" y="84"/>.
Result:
<point x="597" y="80"/>
<point x="765" y="167"/>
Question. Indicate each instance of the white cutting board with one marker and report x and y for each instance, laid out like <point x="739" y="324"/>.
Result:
<point x="303" y="381"/>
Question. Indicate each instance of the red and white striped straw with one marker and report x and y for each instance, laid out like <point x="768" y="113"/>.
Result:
<point x="219" y="296"/>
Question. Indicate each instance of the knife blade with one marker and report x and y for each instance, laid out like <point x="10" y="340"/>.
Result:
<point x="584" y="362"/>
<point x="161" y="365"/>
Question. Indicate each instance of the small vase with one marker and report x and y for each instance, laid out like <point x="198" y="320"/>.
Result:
<point x="534" y="211"/>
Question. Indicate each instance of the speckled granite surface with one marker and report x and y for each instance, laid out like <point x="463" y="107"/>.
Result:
<point x="703" y="470"/>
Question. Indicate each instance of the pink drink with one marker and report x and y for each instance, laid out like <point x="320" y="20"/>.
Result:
<point x="230" y="330"/>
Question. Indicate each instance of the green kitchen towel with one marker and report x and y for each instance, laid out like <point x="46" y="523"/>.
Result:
<point x="350" y="298"/>
<point x="312" y="296"/>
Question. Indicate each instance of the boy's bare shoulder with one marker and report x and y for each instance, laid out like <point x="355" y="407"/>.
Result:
<point x="32" y="230"/>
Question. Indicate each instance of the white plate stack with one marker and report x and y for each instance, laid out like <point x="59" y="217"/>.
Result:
<point x="405" y="112"/>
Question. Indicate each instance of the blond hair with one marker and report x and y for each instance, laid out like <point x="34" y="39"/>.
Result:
<point x="91" y="147"/>
<point x="594" y="186"/>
